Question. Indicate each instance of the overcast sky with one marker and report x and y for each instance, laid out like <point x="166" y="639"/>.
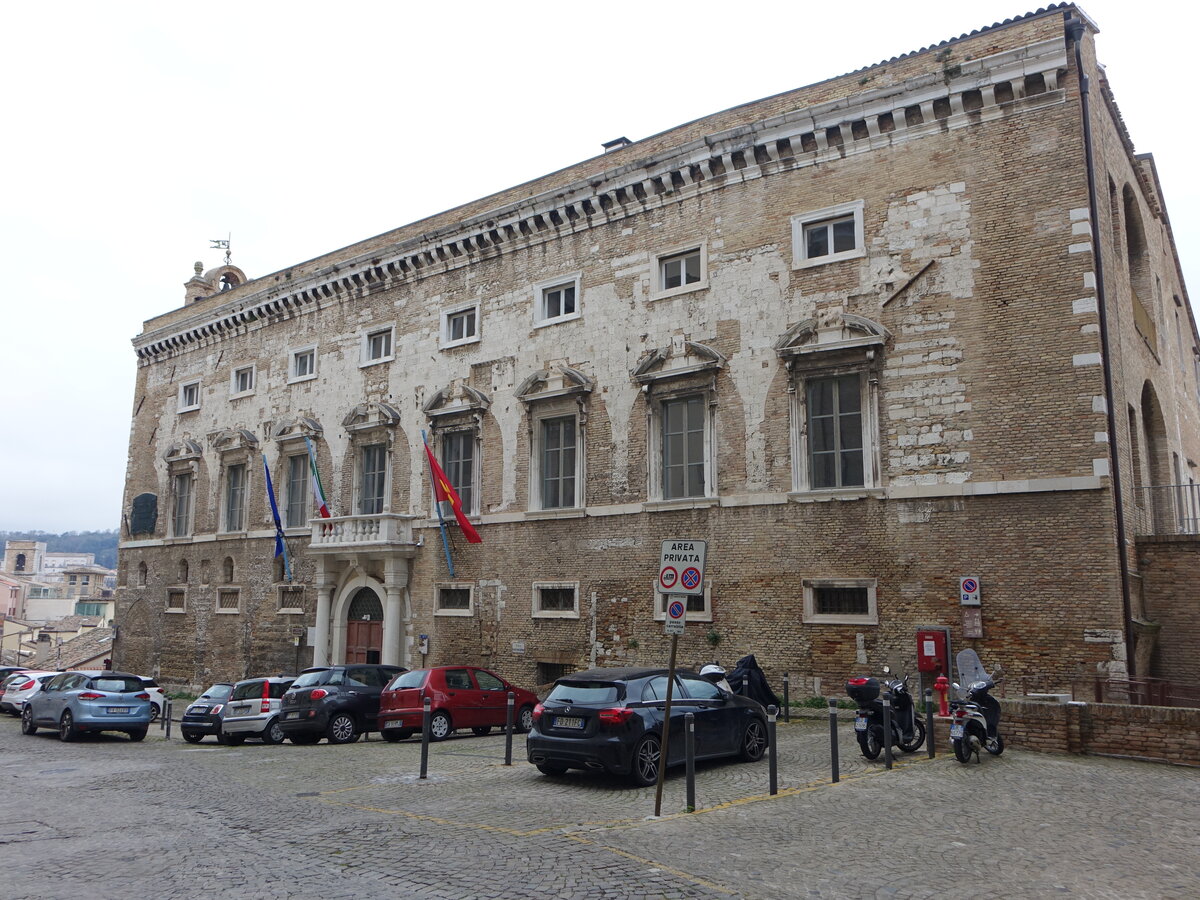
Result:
<point x="138" y="132"/>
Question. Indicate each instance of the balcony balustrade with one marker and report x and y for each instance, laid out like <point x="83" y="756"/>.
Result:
<point x="343" y="534"/>
<point x="1166" y="509"/>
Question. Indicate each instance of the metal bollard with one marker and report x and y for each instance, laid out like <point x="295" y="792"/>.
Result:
<point x="833" y="740"/>
<point x="167" y="716"/>
<point x="887" y="729"/>
<point x="508" y="729"/>
<point x="425" y="717"/>
<point x="771" y="754"/>
<point x="689" y="756"/>
<point x="929" y="721"/>
<point x="787" y="703"/>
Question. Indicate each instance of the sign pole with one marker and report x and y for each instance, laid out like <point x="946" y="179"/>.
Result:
<point x="666" y="741"/>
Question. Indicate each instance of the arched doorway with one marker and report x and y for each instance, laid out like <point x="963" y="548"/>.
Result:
<point x="364" y="627"/>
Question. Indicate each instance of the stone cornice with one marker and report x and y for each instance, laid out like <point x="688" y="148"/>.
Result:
<point x="956" y="96"/>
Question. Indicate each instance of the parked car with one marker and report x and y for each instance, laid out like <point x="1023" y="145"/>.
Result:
<point x="77" y="702"/>
<point x="158" y="697"/>
<point x="334" y="702"/>
<point x="253" y="711"/>
<point x="5" y="671"/>
<point x="203" y="717"/>
<point x="20" y="687"/>
<point x="459" y="697"/>
<point x="612" y="720"/>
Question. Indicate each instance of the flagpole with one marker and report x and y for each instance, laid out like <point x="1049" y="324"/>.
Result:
<point x="280" y="543"/>
<point x="437" y="506"/>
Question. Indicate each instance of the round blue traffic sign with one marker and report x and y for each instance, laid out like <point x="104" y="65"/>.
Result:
<point x="969" y="585"/>
<point x="690" y="578"/>
<point x="675" y="610"/>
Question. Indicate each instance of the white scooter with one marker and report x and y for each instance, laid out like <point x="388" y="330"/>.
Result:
<point x="975" y="713"/>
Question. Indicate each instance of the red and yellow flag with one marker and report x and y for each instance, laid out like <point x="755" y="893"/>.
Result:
<point x="444" y="493"/>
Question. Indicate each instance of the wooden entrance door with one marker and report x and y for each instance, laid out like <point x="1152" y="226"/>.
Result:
<point x="364" y="628"/>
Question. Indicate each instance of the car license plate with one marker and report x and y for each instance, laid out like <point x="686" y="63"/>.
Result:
<point x="568" y="722"/>
<point x="118" y="710"/>
<point x="956" y="730"/>
<point x="197" y="710"/>
<point x="860" y="724"/>
<point x="291" y="715"/>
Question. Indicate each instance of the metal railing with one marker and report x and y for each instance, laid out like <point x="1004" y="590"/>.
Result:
<point x="1146" y="692"/>
<point x="1166" y="509"/>
<point x="343" y="532"/>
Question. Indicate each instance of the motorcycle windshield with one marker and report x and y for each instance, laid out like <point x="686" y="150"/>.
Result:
<point x="970" y="669"/>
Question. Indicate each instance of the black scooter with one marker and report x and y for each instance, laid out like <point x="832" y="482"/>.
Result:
<point x="975" y="714"/>
<point x="908" y="731"/>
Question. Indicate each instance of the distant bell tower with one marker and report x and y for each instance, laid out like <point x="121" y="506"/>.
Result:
<point x="223" y="278"/>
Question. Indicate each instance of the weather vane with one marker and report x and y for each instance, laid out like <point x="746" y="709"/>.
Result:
<point x="218" y="244"/>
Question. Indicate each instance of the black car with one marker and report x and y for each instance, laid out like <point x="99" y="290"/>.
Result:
<point x="612" y="720"/>
<point x="204" y="715"/>
<point x="335" y="702"/>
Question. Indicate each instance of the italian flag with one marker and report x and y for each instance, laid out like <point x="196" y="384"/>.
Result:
<point x="318" y="491"/>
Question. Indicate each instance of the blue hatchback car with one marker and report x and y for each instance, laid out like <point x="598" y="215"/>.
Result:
<point x="76" y="702"/>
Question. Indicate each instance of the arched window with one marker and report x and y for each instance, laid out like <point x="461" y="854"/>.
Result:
<point x="183" y="571"/>
<point x="229" y="281"/>
<point x="365" y="607"/>
<point x="20" y="562"/>
<point x="227" y="570"/>
<point x="142" y="573"/>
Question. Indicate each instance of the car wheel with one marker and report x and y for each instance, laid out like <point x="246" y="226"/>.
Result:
<point x="231" y="740"/>
<point x="342" y="729"/>
<point x="439" y="726"/>
<point x="525" y="719"/>
<point x="646" y="754"/>
<point x="66" y="727"/>
<point x="754" y="741"/>
<point x="192" y="738"/>
<point x="154" y="712"/>
<point x="273" y="733"/>
<point x="27" y="726"/>
<point x="481" y="730"/>
<point x="551" y="769"/>
<point x="138" y="734"/>
<point x="306" y="738"/>
<point x="393" y="735"/>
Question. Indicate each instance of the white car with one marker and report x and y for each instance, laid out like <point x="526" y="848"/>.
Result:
<point x="158" y="697"/>
<point x="20" y="687"/>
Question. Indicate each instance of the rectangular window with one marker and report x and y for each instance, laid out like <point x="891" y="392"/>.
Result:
<point x="556" y="601"/>
<point x="235" y="497"/>
<point x="835" y="432"/>
<point x="679" y="271"/>
<point x="377" y="346"/>
<point x="460" y="326"/>
<point x="228" y="600"/>
<point x="297" y="492"/>
<point x="683" y="452"/>
<point x="458" y="461"/>
<point x="827" y="235"/>
<point x="181" y="513"/>
<point x="454" y="600"/>
<point x="844" y="601"/>
<point x="556" y="301"/>
<point x="302" y="364"/>
<point x="189" y="396"/>
<point x="372" y="479"/>
<point x="558" y="463"/>
<point x="242" y="381"/>
<point x="175" y="601"/>
<point x="291" y="598"/>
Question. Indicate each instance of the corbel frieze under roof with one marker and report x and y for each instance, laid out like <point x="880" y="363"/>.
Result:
<point x="679" y="359"/>
<point x="555" y="381"/>
<point x="182" y="451"/>
<point x="370" y="415"/>
<point x="807" y="136"/>
<point x="229" y="440"/>
<point x="296" y="429"/>
<point x="457" y="399"/>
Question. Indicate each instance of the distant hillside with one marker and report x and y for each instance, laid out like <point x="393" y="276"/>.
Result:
<point x="102" y="543"/>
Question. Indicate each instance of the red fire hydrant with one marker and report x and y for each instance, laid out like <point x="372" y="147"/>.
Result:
<point x="941" y="684"/>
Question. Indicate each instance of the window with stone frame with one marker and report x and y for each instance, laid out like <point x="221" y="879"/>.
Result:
<point x="377" y="346"/>
<point x="372" y="479"/>
<point x="834" y="384"/>
<point x="296" y="505"/>
<point x="557" y="402"/>
<point x="176" y="600"/>
<point x="302" y="364"/>
<point x="556" y="300"/>
<point x="189" y="396"/>
<point x="291" y="598"/>
<point x="840" y="601"/>
<point x="242" y="381"/>
<point x="556" y="600"/>
<point x="557" y="462"/>
<point x="454" y="599"/>
<point x="828" y="235"/>
<point x="181" y="504"/>
<point x="235" y="497"/>
<point x="229" y="600"/>
<point x="680" y="270"/>
<point x="460" y="325"/>
<point x="460" y="462"/>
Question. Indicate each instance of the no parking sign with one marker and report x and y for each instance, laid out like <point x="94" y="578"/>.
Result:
<point x="968" y="590"/>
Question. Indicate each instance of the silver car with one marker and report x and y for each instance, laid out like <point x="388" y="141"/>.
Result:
<point x="20" y="687"/>
<point x="252" y="711"/>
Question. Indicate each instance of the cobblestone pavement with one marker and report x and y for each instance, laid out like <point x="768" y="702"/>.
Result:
<point x="108" y="818"/>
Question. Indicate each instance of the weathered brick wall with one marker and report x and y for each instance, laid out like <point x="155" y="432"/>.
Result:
<point x="1170" y="569"/>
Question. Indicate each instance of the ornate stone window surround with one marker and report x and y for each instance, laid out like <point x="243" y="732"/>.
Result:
<point x="456" y="409"/>
<point x="289" y="435"/>
<point x="555" y="393"/>
<point x="369" y="424"/>
<point x="183" y="462"/>
<point x="235" y="447"/>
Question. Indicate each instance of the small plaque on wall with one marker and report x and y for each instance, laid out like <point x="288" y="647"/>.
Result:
<point x="972" y="622"/>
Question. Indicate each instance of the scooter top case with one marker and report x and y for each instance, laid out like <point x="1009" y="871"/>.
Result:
<point x="863" y="690"/>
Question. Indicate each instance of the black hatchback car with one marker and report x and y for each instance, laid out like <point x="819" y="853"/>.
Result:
<point x="203" y="717"/>
<point x="334" y="702"/>
<point x="612" y="720"/>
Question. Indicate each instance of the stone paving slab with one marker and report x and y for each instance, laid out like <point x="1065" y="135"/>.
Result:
<point x="108" y="818"/>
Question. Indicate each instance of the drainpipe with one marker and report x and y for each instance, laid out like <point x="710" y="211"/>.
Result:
<point x="1075" y="29"/>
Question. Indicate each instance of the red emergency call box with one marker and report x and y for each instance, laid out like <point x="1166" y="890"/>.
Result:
<point x="933" y="650"/>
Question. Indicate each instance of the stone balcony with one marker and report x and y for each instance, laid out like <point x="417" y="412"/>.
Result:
<point x="386" y="532"/>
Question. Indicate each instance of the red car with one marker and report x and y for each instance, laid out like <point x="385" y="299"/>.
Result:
<point x="459" y="697"/>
